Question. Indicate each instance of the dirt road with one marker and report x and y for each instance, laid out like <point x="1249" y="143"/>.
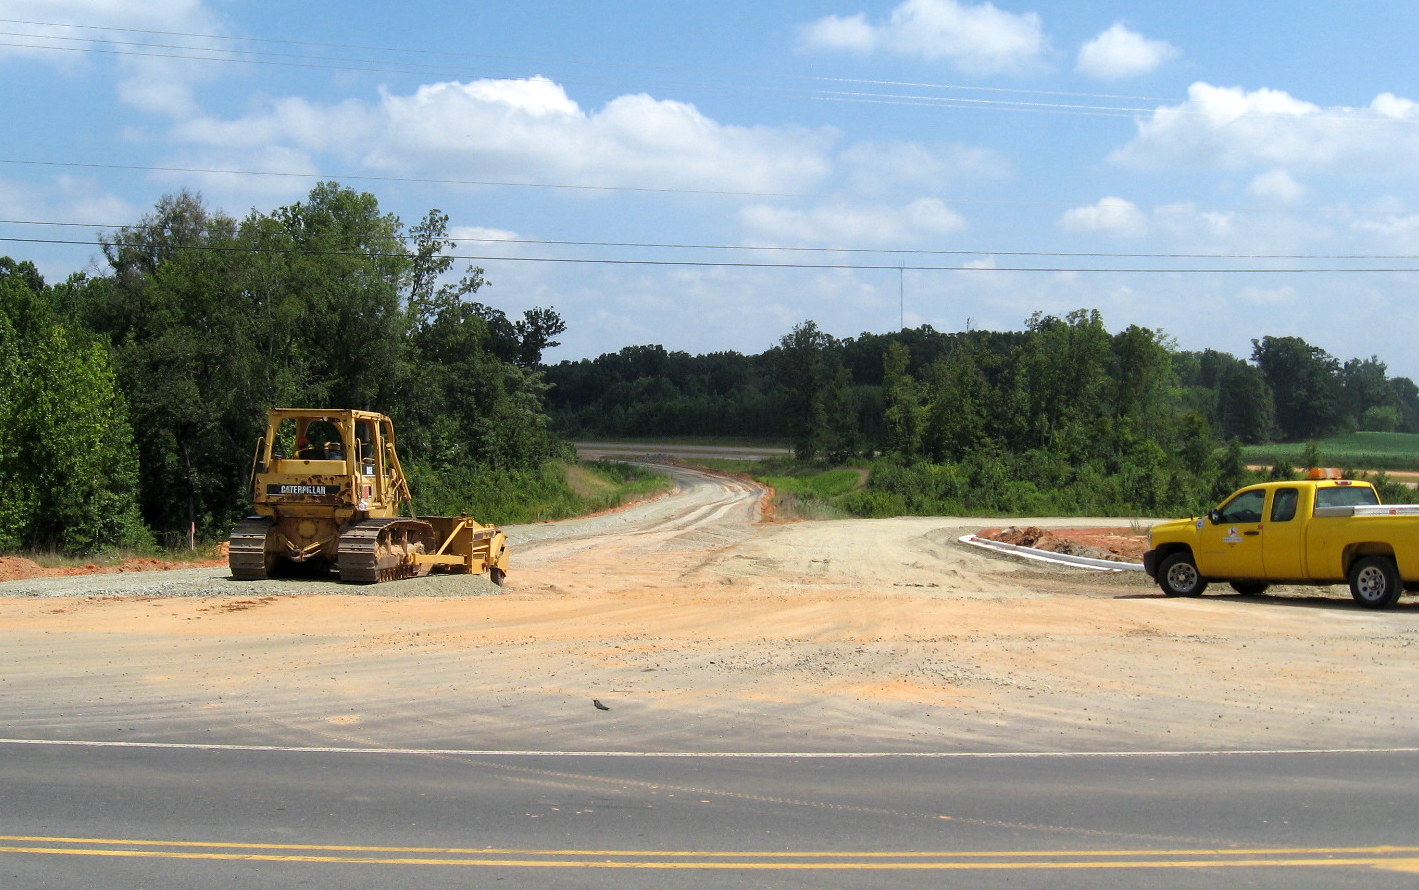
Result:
<point x="701" y="629"/>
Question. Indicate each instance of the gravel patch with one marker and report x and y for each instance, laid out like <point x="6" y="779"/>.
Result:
<point x="219" y="582"/>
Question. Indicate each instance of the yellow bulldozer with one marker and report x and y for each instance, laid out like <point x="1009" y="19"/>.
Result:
<point x="328" y="490"/>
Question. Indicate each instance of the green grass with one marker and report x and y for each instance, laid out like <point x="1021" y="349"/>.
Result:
<point x="726" y="465"/>
<point x="807" y="492"/>
<point x="513" y="497"/>
<point x="689" y="441"/>
<point x="824" y="484"/>
<point x="1360" y="451"/>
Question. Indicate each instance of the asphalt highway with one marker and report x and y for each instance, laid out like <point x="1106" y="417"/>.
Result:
<point x="109" y="815"/>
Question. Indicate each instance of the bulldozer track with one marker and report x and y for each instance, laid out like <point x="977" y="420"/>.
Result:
<point x="361" y="560"/>
<point x="247" y="556"/>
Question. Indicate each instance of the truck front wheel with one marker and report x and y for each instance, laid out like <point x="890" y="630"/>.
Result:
<point x="1375" y="583"/>
<point x="1178" y="576"/>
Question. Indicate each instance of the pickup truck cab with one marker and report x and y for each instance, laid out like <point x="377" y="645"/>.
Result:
<point x="1311" y="531"/>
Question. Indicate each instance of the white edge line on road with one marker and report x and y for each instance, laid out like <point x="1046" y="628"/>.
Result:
<point x="776" y="755"/>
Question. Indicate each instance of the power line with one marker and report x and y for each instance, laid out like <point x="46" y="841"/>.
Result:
<point x="662" y="190"/>
<point x="415" y="179"/>
<point x="253" y="57"/>
<point x="892" y="251"/>
<point x="855" y="96"/>
<point x="483" y="56"/>
<point x="739" y="264"/>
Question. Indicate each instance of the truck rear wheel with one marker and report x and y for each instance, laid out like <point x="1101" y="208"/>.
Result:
<point x="1375" y="583"/>
<point x="1178" y="575"/>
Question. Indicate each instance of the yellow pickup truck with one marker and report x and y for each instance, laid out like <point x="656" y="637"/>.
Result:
<point x="1313" y="531"/>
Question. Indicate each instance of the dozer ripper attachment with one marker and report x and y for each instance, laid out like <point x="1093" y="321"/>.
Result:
<point x="328" y="492"/>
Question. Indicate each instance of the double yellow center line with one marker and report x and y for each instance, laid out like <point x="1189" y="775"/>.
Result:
<point x="1386" y="857"/>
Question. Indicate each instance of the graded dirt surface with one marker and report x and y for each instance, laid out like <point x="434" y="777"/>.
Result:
<point x="702" y="629"/>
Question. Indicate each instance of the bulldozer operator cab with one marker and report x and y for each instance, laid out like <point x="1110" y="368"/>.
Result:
<point x="333" y="441"/>
<point x="306" y="438"/>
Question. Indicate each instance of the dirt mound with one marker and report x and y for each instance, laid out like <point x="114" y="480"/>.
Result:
<point x="18" y="568"/>
<point x="1121" y="544"/>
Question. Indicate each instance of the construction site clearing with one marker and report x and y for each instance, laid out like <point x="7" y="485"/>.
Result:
<point x="701" y="628"/>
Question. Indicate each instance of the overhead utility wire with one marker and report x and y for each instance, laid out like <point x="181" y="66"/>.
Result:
<point x="942" y="252"/>
<point x="733" y="265"/>
<point x="818" y="95"/>
<point x="893" y="251"/>
<point x="481" y="56"/>
<point x="985" y="89"/>
<point x="425" y="180"/>
<point x="219" y="54"/>
<point x="858" y="97"/>
<point x="106" y="41"/>
<point x="415" y="179"/>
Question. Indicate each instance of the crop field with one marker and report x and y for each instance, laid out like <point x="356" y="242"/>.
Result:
<point x="1359" y="451"/>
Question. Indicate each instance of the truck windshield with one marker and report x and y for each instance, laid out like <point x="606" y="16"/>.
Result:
<point x="1346" y="496"/>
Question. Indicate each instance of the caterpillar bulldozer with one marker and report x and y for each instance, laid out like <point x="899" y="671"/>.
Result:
<point x="327" y="491"/>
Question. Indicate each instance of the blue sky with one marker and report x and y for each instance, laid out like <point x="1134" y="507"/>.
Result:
<point x="1198" y="168"/>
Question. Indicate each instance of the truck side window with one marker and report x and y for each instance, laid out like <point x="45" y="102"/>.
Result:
<point x="1346" y="496"/>
<point x="1283" y="505"/>
<point x="1245" y="507"/>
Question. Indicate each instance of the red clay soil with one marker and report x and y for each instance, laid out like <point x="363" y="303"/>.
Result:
<point x="1101" y="543"/>
<point x="18" y="568"/>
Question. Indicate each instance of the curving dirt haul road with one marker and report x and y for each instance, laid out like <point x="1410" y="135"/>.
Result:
<point x="700" y="628"/>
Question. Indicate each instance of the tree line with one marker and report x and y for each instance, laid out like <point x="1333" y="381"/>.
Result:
<point x="131" y="399"/>
<point x="1062" y="417"/>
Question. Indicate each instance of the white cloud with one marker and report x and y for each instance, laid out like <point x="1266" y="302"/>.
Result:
<point x="1110" y="216"/>
<point x="842" y="225"/>
<point x="1398" y="229"/>
<point x="1392" y="106"/>
<point x="295" y="122"/>
<point x="1267" y="296"/>
<point x="481" y="234"/>
<point x="1119" y="53"/>
<point x="66" y="199"/>
<point x="1231" y="128"/>
<point x="1278" y="186"/>
<point x="977" y="39"/>
<point x="146" y="82"/>
<point x="69" y="199"/>
<point x="531" y="131"/>
<point x="237" y="191"/>
<point x="895" y="167"/>
<point x="851" y="33"/>
<point x="1391" y="226"/>
<point x="1185" y="220"/>
<point x="1184" y="223"/>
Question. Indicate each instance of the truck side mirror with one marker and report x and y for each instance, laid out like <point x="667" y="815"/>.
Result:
<point x="1215" y="516"/>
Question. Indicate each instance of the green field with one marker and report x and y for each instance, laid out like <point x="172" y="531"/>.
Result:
<point x="690" y="441"/>
<point x="1356" y="451"/>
